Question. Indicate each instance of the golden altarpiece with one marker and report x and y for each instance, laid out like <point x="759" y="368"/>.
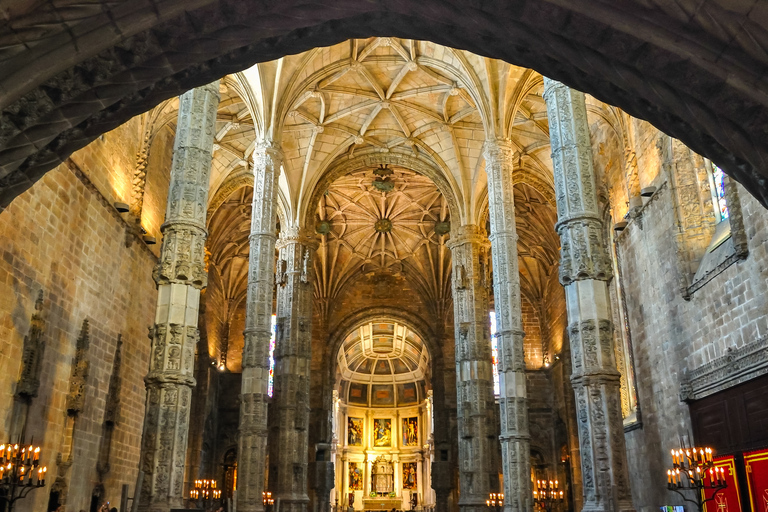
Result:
<point x="383" y="420"/>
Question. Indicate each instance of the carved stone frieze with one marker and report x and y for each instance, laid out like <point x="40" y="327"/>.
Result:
<point x="584" y="254"/>
<point x="736" y="366"/>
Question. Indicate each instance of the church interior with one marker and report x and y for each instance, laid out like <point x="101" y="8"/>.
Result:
<point x="379" y="273"/>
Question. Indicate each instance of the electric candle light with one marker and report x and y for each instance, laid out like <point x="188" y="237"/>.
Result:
<point x="690" y="467"/>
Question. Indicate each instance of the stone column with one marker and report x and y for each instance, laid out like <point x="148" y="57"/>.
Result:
<point x="289" y="450"/>
<point x="513" y="404"/>
<point x="180" y="275"/>
<point x="442" y="470"/>
<point x="474" y="376"/>
<point x="252" y="440"/>
<point x="585" y="269"/>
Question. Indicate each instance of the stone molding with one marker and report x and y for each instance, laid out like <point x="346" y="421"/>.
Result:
<point x="737" y="366"/>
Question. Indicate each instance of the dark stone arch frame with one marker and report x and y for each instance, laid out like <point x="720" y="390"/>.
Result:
<point x="681" y="74"/>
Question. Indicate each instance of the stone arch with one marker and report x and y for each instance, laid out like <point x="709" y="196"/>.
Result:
<point x="94" y="69"/>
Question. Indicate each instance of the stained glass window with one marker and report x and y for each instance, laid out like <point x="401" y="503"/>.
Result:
<point x="719" y="178"/>
<point x="495" y="355"/>
<point x="272" y="356"/>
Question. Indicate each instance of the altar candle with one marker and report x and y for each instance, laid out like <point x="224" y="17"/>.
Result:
<point x="669" y="477"/>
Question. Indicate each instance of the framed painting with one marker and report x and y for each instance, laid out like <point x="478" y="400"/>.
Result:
<point x="411" y="431"/>
<point x="355" y="477"/>
<point x="409" y="475"/>
<point x="382" y="432"/>
<point x="354" y="431"/>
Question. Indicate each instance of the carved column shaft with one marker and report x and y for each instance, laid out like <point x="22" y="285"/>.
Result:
<point x="292" y="365"/>
<point x="584" y="271"/>
<point x="180" y="275"/>
<point x="252" y="444"/>
<point x="515" y="437"/>
<point x="474" y="375"/>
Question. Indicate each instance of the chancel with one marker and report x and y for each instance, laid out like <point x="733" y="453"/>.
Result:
<point x="438" y="256"/>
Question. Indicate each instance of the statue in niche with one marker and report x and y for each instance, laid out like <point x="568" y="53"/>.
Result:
<point x="382" y="476"/>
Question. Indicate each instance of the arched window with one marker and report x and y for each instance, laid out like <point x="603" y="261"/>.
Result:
<point x="495" y="355"/>
<point x="718" y="193"/>
<point x="271" y="385"/>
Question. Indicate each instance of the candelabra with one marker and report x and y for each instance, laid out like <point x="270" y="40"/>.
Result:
<point x="495" y="501"/>
<point x="546" y="494"/>
<point x="268" y="501"/>
<point x="20" y="472"/>
<point x="205" y="492"/>
<point x="694" y="470"/>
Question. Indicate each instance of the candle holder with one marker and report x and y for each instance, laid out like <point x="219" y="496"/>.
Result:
<point x="20" y="472"/>
<point x="546" y="494"/>
<point x="693" y="471"/>
<point x="495" y="501"/>
<point x="205" y="493"/>
<point x="268" y="501"/>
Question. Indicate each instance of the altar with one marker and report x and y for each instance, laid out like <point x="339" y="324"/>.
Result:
<point x="382" y="504"/>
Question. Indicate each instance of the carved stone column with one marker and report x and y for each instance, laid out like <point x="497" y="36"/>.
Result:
<point x="252" y="442"/>
<point x="180" y="275"/>
<point x="474" y="376"/>
<point x="585" y="269"/>
<point x="289" y="450"/>
<point x="515" y="438"/>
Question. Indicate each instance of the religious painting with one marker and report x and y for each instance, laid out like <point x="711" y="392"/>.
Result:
<point x="410" y="431"/>
<point x="355" y="477"/>
<point x="382" y="432"/>
<point x="354" y="431"/>
<point x="409" y="475"/>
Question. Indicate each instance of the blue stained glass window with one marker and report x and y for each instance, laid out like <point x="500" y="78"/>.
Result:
<point x="495" y="355"/>
<point x="719" y="177"/>
<point x="272" y="356"/>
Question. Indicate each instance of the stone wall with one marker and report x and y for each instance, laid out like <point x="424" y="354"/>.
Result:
<point x="658" y="254"/>
<point x="63" y="237"/>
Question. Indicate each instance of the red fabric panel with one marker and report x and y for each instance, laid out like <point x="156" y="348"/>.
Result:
<point x="757" y="478"/>
<point x="728" y="499"/>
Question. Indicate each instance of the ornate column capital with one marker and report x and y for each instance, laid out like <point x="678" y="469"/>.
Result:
<point x="267" y="153"/>
<point x="469" y="234"/>
<point x="500" y="150"/>
<point x="295" y="235"/>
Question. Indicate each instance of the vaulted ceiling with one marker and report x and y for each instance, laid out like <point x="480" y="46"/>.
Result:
<point x="382" y="142"/>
